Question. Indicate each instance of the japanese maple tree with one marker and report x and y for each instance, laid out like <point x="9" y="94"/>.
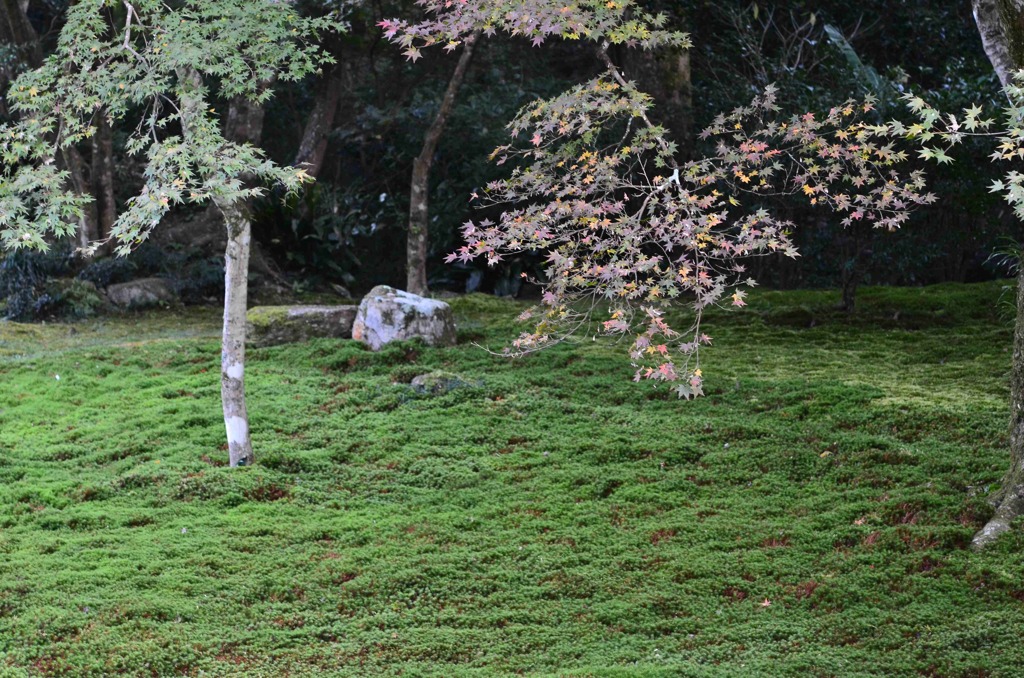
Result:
<point x="628" y="229"/>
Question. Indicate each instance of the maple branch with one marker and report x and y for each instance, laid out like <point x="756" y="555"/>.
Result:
<point x="128" y="31"/>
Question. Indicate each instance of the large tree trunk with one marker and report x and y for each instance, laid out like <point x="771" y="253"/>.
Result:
<point x="1001" y="24"/>
<point x="313" y="147"/>
<point x="244" y="122"/>
<point x="244" y="125"/>
<point x="419" y="194"/>
<point x="236" y="282"/>
<point x="855" y="247"/>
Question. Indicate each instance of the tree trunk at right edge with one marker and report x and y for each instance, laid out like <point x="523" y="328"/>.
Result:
<point x="419" y="192"/>
<point x="1011" y="497"/>
<point x="1001" y="25"/>
<point x="232" y="357"/>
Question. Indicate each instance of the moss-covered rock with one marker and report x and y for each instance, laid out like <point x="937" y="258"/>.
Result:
<point x="272" y="325"/>
<point x="142" y="293"/>
<point x="437" y="382"/>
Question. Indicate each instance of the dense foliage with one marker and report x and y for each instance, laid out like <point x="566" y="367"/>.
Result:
<point x="143" y="69"/>
<point x="349" y="228"/>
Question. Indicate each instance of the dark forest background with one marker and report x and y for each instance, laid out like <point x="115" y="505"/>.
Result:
<point x="364" y="122"/>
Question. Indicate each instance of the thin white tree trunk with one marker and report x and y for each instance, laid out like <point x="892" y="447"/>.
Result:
<point x="236" y="292"/>
<point x="232" y="357"/>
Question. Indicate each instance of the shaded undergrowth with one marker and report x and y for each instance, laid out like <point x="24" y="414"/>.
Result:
<point x="809" y="517"/>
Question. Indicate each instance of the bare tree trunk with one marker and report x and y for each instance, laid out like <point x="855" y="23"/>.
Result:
<point x="244" y="125"/>
<point x="236" y="288"/>
<point x="313" y="146"/>
<point x="1001" y="24"/>
<point x="103" y="176"/>
<point x="856" y="244"/>
<point x="666" y="74"/>
<point x="88" y="223"/>
<point x="17" y="31"/>
<point x="850" y="282"/>
<point x="17" y="34"/>
<point x="1010" y="499"/>
<point x="419" y="194"/>
<point x="679" y="80"/>
<point x="244" y="122"/>
<point x="232" y="357"/>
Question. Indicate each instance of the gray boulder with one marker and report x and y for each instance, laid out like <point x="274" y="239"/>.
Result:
<point x="387" y="314"/>
<point x="141" y="293"/>
<point x="272" y="325"/>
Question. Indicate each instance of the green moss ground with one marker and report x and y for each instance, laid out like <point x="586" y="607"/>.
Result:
<point x="549" y="518"/>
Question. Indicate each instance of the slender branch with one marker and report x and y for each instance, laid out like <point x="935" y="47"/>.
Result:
<point x="128" y="32"/>
<point x="617" y="75"/>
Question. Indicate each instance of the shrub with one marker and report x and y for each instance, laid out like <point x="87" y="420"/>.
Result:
<point x="23" y="279"/>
